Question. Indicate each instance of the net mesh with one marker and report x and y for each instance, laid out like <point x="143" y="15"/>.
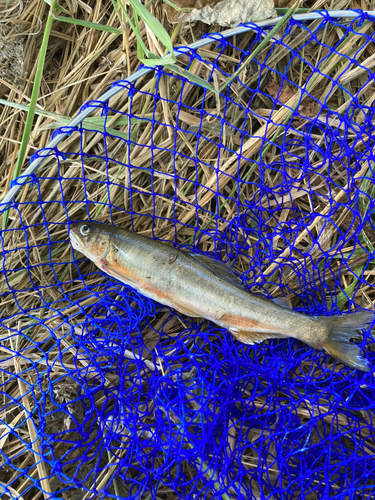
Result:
<point x="107" y="394"/>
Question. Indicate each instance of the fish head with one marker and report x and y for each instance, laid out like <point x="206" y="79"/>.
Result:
<point x="91" y="239"/>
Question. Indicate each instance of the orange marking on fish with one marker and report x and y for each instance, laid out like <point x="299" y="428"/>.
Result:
<point x="120" y="272"/>
<point x="156" y="291"/>
<point x="239" y="321"/>
<point x="245" y="323"/>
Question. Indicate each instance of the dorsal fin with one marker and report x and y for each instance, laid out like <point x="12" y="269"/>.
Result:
<point x="220" y="269"/>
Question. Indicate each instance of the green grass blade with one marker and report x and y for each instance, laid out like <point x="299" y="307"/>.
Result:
<point x="38" y="111"/>
<point x="270" y="35"/>
<point x="98" y="123"/>
<point x="211" y="475"/>
<point x="175" y="7"/>
<point x="343" y="297"/>
<point x="140" y="51"/>
<point x="191" y="77"/>
<point x="63" y="121"/>
<point x="116" y="10"/>
<point x="60" y="7"/>
<point x="134" y="29"/>
<point x="152" y="23"/>
<point x="367" y="242"/>
<point x="160" y="61"/>
<point x="87" y="24"/>
<point x="282" y="12"/>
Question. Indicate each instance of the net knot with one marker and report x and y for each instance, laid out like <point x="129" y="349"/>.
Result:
<point x="94" y="104"/>
<point x="68" y="130"/>
<point x="22" y="180"/>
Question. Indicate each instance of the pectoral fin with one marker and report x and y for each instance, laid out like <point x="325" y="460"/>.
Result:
<point x="116" y="273"/>
<point x="185" y="310"/>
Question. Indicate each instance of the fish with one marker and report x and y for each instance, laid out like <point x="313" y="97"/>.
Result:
<point x="200" y="286"/>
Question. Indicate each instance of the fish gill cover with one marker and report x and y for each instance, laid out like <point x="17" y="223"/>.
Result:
<point x="107" y="394"/>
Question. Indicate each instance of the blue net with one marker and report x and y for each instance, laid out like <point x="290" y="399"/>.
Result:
<point x="107" y="394"/>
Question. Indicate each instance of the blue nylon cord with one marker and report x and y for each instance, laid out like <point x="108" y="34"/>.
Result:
<point x="203" y="415"/>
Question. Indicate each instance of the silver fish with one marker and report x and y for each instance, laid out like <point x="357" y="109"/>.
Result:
<point x="199" y="286"/>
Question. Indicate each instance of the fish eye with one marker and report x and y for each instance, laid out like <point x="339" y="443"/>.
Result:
<point x="85" y="230"/>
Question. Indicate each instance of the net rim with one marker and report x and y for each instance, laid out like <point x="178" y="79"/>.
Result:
<point x="144" y="70"/>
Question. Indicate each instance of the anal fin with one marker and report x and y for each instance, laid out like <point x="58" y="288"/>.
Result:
<point x="253" y="337"/>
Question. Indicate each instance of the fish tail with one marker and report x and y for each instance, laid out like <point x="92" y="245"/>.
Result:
<point x="340" y="331"/>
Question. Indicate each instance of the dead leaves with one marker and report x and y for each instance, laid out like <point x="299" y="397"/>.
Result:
<point x="282" y="95"/>
<point x="225" y="13"/>
<point x="308" y="108"/>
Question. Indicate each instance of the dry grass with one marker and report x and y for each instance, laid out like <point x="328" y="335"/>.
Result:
<point x="81" y="64"/>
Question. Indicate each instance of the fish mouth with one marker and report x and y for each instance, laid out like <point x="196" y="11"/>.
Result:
<point x="75" y="241"/>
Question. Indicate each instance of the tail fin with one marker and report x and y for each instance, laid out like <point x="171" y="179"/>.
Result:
<point x="340" y="331"/>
